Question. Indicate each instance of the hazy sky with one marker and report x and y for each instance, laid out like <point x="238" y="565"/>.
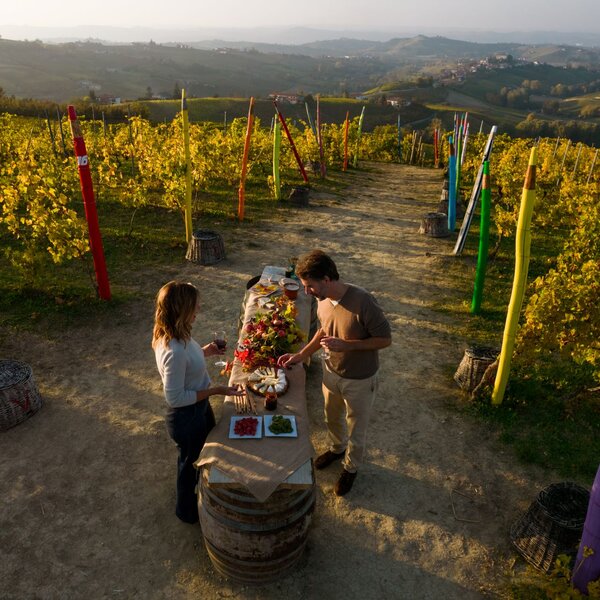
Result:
<point x="389" y="15"/>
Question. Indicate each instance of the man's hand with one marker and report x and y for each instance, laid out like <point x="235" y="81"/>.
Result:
<point x="334" y="344"/>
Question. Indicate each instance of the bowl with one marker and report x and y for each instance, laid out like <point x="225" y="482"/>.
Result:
<point x="285" y="280"/>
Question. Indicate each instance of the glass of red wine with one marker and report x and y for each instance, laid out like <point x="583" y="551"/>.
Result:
<point x="220" y="339"/>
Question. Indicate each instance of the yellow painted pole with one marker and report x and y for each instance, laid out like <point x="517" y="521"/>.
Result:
<point x="242" y="188"/>
<point x="188" y="168"/>
<point x="522" y="252"/>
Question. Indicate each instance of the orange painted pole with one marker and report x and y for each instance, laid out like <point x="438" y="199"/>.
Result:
<point x="346" y="140"/>
<point x="242" y="190"/>
<point x="89" y="203"/>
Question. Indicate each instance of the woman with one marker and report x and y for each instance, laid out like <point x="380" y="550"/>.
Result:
<point x="187" y="385"/>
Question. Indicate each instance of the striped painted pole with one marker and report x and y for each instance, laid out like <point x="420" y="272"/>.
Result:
<point x="359" y="133"/>
<point x="188" y="168"/>
<point x="89" y="203"/>
<point x="242" y="188"/>
<point x="451" y="186"/>
<point x="291" y="141"/>
<point x="484" y="238"/>
<point x="276" y="151"/>
<point x="522" y="251"/>
<point x="346" y="129"/>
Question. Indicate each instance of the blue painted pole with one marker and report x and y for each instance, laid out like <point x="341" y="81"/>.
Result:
<point x="451" y="186"/>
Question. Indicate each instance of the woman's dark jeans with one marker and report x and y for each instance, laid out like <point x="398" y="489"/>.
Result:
<point x="189" y="426"/>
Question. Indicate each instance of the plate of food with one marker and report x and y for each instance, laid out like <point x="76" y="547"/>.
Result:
<point x="265" y="288"/>
<point x="268" y="379"/>
<point x="241" y="428"/>
<point x="280" y="426"/>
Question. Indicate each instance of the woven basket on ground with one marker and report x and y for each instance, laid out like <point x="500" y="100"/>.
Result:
<point x="19" y="396"/>
<point x="473" y="365"/>
<point x="552" y="525"/>
<point x="206" y="247"/>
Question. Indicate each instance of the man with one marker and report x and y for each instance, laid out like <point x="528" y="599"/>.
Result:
<point x="352" y="330"/>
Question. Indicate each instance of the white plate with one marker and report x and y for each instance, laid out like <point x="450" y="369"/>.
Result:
<point x="235" y="436"/>
<point x="268" y="433"/>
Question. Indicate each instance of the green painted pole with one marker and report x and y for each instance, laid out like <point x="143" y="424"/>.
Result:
<point x="484" y="239"/>
<point x="276" y="151"/>
<point x="360" y="124"/>
<point x="522" y="250"/>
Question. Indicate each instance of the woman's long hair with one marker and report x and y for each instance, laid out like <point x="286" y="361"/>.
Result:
<point x="176" y="304"/>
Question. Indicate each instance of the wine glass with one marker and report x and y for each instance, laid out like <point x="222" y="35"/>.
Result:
<point x="220" y="339"/>
<point x="325" y="354"/>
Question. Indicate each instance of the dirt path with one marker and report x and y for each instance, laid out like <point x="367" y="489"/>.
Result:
<point x="87" y="485"/>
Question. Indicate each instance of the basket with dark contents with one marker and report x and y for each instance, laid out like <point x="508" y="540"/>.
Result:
<point x="552" y="525"/>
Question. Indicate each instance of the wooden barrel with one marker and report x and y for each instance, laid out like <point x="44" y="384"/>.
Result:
<point x="19" y="396"/>
<point x="250" y="541"/>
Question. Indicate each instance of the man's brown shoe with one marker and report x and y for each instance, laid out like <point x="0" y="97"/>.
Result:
<point x="325" y="459"/>
<point x="344" y="483"/>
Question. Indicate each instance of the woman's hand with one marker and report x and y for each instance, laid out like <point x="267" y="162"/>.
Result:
<point x="212" y="350"/>
<point x="231" y="390"/>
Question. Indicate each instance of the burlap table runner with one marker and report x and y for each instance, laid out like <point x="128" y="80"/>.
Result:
<point x="262" y="464"/>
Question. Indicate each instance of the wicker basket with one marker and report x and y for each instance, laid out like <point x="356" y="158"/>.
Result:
<point x="552" y="525"/>
<point x="19" y="396"/>
<point x="205" y="248"/>
<point x="473" y="365"/>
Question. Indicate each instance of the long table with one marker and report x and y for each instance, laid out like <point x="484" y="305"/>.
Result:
<point x="261" y="465"/>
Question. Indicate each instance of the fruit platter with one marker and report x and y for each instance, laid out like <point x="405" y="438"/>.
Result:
<point x="245" y="428"/>
<point x="268" y="379"/>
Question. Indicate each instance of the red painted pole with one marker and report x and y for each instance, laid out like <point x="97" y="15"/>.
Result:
<point x="89" y="202"/>
<point x="289" y="137"/>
